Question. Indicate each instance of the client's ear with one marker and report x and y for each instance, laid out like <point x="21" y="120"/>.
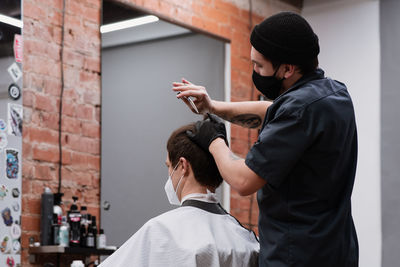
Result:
<point x="185" y="165"/>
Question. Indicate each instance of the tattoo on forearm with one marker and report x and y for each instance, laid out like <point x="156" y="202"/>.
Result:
<point x="234" y="157"/>
<point x="247" y="120"/>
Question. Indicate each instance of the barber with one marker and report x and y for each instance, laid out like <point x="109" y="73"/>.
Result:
<point x="303" y="164"/>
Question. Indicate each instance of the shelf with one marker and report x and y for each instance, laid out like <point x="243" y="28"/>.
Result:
<point x="69" y="250"/>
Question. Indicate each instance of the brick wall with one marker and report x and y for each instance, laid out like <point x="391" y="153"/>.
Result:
<point x="81" y="102"/>
<point x="81" y="106"/>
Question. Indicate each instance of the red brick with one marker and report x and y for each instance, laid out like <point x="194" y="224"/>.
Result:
<point x="226" y="7"/>
<point x="79" y="161"/>
<point x="215" y="14"/>
<point x="241" y="91"/>
<point x="40" y="135"/>
<point x="71" y="125"/>
<point x="49" y="120"/>
<point x="49" y="154"/>
<point x="27" y="169"/>
<point x="240" y="147"/>
<point x="31" y="205"/>
<point x="46" y="103"/>
<point x="85" y="112"/>
<point x="30" y="222"/>
<point x="52" y="87"/>
<point x="90" y="129"/>
<point x="44" y="172"/>
<point x="71" y="94"/>
<point x="93" y="3"/>
<point x="66" y="157"/>
<point x="240" y="203"/>
<point x="68" y="108"/>
<point x="239" y="24"/>
<point x="71" y="57"/>
<point x="55" y="4"/>
<point x="92" y="64"/>
<point x="239" y="132"/>
<point x="92" y="97"/>
<point x="29" y="98"/>
<point x="92" y="14"/>
<point x="240" y="64"/>
<point x="225" y="31"/>
<point x="75" y="8"/>
<point x="242" y="216"/>
<point x="93" y="162"/>
<point x="205" y="24"/>
<point x="34" y="11"/>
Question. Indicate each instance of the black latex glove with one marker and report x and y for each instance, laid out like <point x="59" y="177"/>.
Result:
<point x="207" y="131"/>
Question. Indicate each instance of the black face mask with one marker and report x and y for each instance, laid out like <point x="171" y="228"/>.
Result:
<point x="270" y="86"/>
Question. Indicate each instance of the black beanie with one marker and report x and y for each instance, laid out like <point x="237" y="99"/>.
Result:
<point x="285" y="37"/>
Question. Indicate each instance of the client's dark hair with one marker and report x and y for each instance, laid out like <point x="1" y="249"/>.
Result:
<point x="203" y="164"/>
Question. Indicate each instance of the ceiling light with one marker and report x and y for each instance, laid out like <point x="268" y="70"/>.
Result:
<point x="128" y="23"/>
<point x="11" y="21"/>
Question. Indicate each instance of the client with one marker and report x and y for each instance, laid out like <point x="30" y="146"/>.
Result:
<point x="198" y="233"/>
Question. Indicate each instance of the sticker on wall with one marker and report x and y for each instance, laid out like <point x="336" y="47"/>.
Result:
<point x="15" y="192"/>
<point x="18" y="44"/>
<point x="14" y="119"/>
<point x="3" y="192"/>
<point x="16" y="247"/>
<point x="3" y="125"/>
<point x="15" y="206"/>
<point x="12" y="163"/>
<point x="7" y="218"/>
<point x="15" y="72"/>
<point x="14" y="91"/>
<point x="15" y="231"/>
<point x="3" y="140"/>
<point x="10" y="262"/>
<point x="5" y="244"/>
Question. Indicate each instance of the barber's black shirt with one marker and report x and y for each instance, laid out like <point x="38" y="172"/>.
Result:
<point x="307" y="153"/>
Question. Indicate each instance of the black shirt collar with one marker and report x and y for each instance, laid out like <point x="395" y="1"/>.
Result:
<point x="314" y="75"/>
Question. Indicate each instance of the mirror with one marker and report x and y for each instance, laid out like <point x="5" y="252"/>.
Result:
<point x="140" y="110"/>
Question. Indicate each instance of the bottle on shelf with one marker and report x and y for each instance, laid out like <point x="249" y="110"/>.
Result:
<point x="57" y="206"/>
<point x="55" y="229"/>
<point x="90" y="239"/>
<point x="101" y="240"/>
<point x="74" y="220"/>
<point x="46" y="218"/>
<point x="94" y="230"/>
<point x="64" y="232"/>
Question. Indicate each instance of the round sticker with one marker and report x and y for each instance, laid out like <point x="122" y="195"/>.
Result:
<point x="15" y="206"/>
<point x="10" y="262"/>
<point x="14" y="92"/>
<point x="15" y="231"/>
<point x="3" y="125"/>
<point x="3" y="192"/>
<point x="15" y="192"/>
<point x="3" y="140"/>
<point x="7" y="217"/>
<point x="5" y="244"/>
<point x="16" y="246"/>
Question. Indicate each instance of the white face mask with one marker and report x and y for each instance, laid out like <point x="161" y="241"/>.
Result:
<point x="169" y="189"/>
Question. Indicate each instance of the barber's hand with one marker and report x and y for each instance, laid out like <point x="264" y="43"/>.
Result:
<point x="200" y="96"/>
<point x="207" y="131"/>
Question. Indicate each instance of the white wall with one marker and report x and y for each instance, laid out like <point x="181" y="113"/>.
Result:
<point x="350" y="52"/>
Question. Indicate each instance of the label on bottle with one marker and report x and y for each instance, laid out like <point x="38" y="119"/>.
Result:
<point x="90" y="241"/>
<point x="64" y="236"/>
<point x="101" y="241"/>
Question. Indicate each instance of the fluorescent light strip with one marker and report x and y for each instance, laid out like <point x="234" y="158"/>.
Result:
<point x="128" y="23"/>
<point x="11" y="21"/>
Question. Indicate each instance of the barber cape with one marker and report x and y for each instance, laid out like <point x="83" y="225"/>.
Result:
<point x="199" y="233"/>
